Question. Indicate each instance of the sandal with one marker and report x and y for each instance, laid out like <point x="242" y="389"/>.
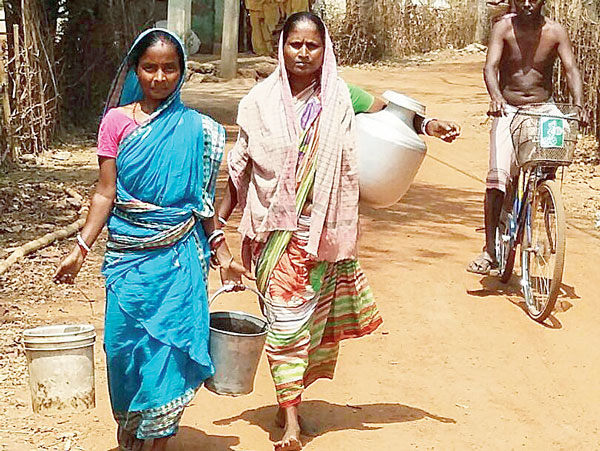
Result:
<point x="482" y="265"/>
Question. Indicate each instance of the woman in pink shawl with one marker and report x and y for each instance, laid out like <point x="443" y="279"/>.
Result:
<point x="293" y="173"/>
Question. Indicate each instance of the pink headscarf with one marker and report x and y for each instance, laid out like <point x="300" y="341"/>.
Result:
<point x="262" y="164"/>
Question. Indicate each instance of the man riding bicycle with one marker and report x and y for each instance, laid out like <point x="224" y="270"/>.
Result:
<point x="518" y="72"/>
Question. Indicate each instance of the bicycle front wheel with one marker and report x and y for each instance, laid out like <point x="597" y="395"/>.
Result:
<point x="543" y="250"/>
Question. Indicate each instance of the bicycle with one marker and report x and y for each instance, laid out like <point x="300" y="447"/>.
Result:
<point x="533" y="215"/>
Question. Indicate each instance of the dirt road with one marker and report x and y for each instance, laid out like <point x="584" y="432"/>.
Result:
<point x="457" y="363"/>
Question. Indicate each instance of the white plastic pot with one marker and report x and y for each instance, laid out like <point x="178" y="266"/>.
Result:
<point x="390" y="152"/>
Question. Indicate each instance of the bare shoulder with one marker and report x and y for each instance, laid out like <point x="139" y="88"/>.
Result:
<point x="556" y="29"/>
<point x="503" y="26"/>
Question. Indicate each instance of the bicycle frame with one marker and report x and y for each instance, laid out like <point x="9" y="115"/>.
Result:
<point x="517" y="221"/>
<point x="527" y="182"/>
<point x="522" y="200"/>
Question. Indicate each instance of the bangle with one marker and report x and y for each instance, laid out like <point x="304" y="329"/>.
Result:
<point x="82" y="245"/>
<point x="425" y="123"/>
<point x="215" y="234"/>
<point x="214" y="244"/>
<point x="222" y="220"/>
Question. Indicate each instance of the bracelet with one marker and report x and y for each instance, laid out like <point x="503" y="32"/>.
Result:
<point x="425" y="123"/>
<point x="215" y="234"/>
<point x="222" y="220"/>
<point x="82" y="245"/>
<point x="214" y="244"/>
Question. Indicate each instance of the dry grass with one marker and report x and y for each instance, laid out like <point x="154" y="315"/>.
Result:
<point x="399" y="29"/>
<point x="584" y="31"/>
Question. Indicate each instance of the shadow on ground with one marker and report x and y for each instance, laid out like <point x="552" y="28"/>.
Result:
<point x="428" y="210"/>
<point x="491" y="286"/>
<point x="191" y="439"/>
<point x="33" y="200"/>
<point x="432" y="207"/>
<point x="329" y="417"/>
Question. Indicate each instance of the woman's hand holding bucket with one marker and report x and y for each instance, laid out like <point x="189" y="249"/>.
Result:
<point x="232" y="273"/>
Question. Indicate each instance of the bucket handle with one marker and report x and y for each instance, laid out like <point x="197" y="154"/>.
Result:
<point x="265" y="300"/>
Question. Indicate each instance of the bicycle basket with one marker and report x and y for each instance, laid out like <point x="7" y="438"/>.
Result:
<point x="545" y="134"/>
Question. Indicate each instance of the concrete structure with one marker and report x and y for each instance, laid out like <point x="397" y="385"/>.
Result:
<point x="229" y="49"/>
<point x="179" y="17"/>
<point x="204" y="18"/>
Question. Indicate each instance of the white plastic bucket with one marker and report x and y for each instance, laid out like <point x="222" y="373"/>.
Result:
<point x="61" y="367"/>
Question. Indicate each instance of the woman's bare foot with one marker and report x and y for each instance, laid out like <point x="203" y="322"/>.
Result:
<point x="291" y="433"/>
<point x="306" y="427"/>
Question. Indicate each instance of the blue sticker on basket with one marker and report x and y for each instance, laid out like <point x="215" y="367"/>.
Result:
<point x="552" y="132"/>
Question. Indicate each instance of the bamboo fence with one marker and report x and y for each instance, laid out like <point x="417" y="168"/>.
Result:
<point x="392" y="29"/>
<point x="33" y="87"/>
<point x="584" y="30"/>
<point x="5" y="141"/>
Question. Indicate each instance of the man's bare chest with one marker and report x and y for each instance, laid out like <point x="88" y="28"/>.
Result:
<point x="530" y="52"/>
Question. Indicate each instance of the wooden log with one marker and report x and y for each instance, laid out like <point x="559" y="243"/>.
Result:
<point x="39" y="243"/>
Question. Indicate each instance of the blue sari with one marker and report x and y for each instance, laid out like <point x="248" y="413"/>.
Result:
<point x="156" y="264"/>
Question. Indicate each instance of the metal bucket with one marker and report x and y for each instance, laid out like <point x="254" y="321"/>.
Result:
<point x="61" y="367"/>
<point x="236" y="343"/>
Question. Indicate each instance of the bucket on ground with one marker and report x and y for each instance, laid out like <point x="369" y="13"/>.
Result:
<point x="61" y="367"/>
<point x="236" y="343"/>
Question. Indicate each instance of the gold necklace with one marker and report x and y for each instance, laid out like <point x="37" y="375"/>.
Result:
<point x="133" y="113"/>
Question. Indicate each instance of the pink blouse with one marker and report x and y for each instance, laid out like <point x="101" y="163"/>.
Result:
<point x="114" y="127"/>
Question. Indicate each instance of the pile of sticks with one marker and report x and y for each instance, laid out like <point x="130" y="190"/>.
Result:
<point x="5" y="142"/>
<point x="33" y="87"/>
<point x="584" y="31"/>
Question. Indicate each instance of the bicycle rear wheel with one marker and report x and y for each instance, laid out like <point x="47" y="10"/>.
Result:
<point x="543" y="250"/>
<point x="505" y="247"/>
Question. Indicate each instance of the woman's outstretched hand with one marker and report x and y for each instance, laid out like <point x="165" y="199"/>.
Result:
<point x="69" y="267"/>
<point x="233" y="273"/>
<point x="447" y="131"/>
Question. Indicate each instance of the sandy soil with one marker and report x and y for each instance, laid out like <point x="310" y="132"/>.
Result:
<point x="457" y="363"/>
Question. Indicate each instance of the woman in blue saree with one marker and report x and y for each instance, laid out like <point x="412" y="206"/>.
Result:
<point x="158" y="168"/>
